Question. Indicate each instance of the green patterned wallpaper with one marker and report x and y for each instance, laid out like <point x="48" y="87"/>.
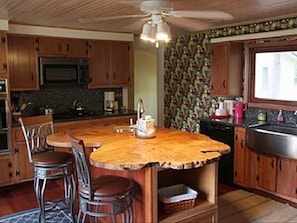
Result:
<point x="187" y="73"/>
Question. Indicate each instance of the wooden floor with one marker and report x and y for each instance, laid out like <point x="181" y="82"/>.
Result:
<point x="21" y="197"/>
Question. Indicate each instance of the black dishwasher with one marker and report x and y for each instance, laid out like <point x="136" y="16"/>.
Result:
<point x="223" y="133"/>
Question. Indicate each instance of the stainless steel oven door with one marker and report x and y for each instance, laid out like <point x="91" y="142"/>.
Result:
<point x="4" y="127"/>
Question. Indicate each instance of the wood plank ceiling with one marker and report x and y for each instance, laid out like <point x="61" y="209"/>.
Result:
<point x="67" y="13"/>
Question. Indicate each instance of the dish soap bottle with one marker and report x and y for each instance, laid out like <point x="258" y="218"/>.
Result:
<point x="280" y="117"/>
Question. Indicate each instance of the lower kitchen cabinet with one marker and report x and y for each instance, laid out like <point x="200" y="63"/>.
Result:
<point x="266" y="168"/>
<point x="287" y="177"/>
<point x="263" y="171"/>
<point x="240" y="157"/>
<point x="23" y="169"/>
<point x="6" y="173"/>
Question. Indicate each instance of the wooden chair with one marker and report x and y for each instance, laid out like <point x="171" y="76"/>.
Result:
<point x="103" y="196"/>
<point x="48" y="164"/>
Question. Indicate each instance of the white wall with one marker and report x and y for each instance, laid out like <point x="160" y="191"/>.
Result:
<point x="145" y="81"/>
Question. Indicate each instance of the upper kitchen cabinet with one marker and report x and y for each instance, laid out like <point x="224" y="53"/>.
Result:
<point x="3" y="54"/>
<point x="52" y="46"/>
<point x="227" y="69"/>
<point x="110" y="64"/>
<point x="23" y="66"/>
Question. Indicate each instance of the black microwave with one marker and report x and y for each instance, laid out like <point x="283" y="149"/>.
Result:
<point x="62" y="71"/>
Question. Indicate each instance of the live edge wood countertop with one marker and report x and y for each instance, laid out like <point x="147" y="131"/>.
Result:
<point x="170" y="148"/>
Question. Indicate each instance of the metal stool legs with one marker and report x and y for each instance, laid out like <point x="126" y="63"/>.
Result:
<point x="41" y="176"/>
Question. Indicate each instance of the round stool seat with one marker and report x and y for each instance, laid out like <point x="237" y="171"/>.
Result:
<point x="110" y="185"/>
<point x="52" y="158"/>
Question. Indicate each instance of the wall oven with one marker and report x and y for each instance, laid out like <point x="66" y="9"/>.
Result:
<point x="4" y="120"/>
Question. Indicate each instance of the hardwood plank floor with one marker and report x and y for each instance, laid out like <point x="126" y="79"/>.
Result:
<point x="21" y="197"/>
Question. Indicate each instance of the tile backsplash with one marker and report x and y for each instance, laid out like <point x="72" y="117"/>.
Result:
<point x="271" y="114"/>
<point x="61" y="99"/>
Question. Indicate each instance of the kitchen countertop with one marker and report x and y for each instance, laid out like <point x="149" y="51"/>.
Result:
<point x="68" y="117"/>
<point x="236" y="122"/>
<point x="169" y="149"/>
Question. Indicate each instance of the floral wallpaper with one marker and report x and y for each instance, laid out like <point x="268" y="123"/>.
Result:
<point x="187" y="73"/>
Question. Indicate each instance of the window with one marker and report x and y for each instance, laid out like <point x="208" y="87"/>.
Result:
<point x="273" y="73"/>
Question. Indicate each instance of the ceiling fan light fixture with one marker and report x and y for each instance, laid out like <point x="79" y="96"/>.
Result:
<point x="147" y="31"/>
<point x="163" y="32"/>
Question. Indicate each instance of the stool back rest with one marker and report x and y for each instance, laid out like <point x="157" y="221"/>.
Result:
<point x="35" y="130"/>
<point x="82" y="164"/>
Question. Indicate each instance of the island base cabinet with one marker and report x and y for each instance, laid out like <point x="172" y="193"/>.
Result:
<point x="147" y="181"/>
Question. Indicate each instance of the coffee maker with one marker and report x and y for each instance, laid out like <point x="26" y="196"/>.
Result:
<point x="109" y="101"/>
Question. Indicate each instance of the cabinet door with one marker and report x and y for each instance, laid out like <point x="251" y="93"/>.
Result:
<point x="76" y="48"/>
<point x="99" y="64"/>
<point x="226" y="69"/>
<point x="3" y="53"/>
<point x="22" y="63"/>
<point x="120" y="63"/>
<point x="6" y="173"/>
<point x="51" y="46"/>
<point x="266" y="172"/>
<point x="239" y="156"/>
<point x="24" y="170"/>
<point x="287" y="177"/>
<point x="219" y="69"/>
<point x="110" y="64"/>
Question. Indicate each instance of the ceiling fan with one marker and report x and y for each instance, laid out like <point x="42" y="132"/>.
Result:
<point x="157" y="14"/>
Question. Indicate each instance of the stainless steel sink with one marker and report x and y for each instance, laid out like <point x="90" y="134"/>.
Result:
<point x="274" y="139"/>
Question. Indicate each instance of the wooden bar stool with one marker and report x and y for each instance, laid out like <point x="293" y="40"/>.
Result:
<point x="103" y="196"/>
<point x="48" y="164"/>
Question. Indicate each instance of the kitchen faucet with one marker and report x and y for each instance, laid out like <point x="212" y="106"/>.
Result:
<point x="140" y="108"/>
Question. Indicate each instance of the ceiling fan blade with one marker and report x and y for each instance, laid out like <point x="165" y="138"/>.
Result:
<point x="137" y="25"/>
<point x="100" y="19"/>
<point x="201" y="14"/>
<point x="188" y="24"/>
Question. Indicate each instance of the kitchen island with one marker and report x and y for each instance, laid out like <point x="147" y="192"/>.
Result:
<point x="172" y="157"/>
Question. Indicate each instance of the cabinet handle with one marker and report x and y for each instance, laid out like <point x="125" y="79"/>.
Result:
<point x="16" y="150"/>
<point x="4" y="66"/>
<point x="9" y="164"/>
<point x="280" y="165"/>
<point x="107" y="75"/>
<point x="37" y="45"/>
<point x="67" y="47"/>
<point x="10" y="174"/>
<point x="32" y="76"/>
<point x="241" y="143"/>
<point x="114" y="75"/>
<point x="212" y="87"/>
<point x="272" y="164"/>
<point x="258" y="158"/>
<point x="236" y="137"/>
<point x="59" y="47"/>
<point x="17" y="173"/>
<point x="3" y="40"/>
<point x="224" y="83"/>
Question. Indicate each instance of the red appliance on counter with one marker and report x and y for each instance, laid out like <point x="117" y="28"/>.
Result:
<point x="239" y="108"/>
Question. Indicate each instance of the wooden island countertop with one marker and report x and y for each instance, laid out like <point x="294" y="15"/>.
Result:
<point x="172" y="156"/>
<point x="169" y="149"/>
